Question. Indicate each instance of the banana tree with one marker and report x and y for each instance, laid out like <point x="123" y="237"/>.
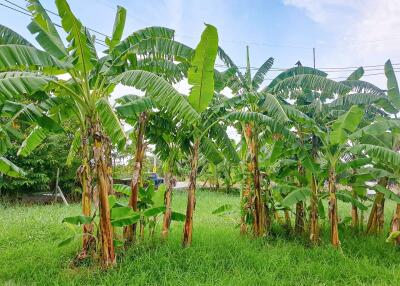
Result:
<point x="380" y="141"/>
<point x="171" y="144"/>
<point x="163" y="133"/>
<point x="389" y="103"/>
<point x="335" y="145"/>
<point x="250" y="103"/>
<point x="201" y="77"/>
<point x="87" y="88"/>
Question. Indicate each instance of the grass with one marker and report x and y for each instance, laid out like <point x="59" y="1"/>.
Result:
<point x="219" y="256"/>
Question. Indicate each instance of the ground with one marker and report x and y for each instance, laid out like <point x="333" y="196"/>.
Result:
<point x="219" y="256"/>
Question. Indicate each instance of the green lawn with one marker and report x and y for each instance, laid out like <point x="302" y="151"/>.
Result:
<point x="219" y="256"/>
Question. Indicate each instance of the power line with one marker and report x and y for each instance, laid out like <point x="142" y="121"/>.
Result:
<point x="277" y="69"/>
<point x="372" y="74"/>
<point x="27" y="13"/>
<point x="4" y="5"/>
<point x="328" y="69"/>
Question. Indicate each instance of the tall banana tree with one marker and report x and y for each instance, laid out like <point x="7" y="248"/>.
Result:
<point x="335" y="145"/>
<point x="380" y="141"/>
<point x="253" y="106"/>
<point x="201" y="77"/>
<point x="87" y="88"/>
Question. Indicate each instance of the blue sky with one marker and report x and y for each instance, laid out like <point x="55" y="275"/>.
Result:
<point x="344" y="33"/>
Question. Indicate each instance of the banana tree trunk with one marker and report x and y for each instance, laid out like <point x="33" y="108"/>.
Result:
<point x="259" y="217"/>
<point x="354" y="213"/>
<point x="83" y="173"/>
<point x="332" y="209"/>
<point x="245" y="205"/>
<point x="168" y="201"/>
<point x="314" y="226"/>
<point x="376" y="217"/>
<point x="104" y="187"/>
<point x="191" y="202"/>
<point x="395" y="224"/>
<point x="299" y="222"/>
<point x="130" y="230"/>
<point x="288" y="222"/>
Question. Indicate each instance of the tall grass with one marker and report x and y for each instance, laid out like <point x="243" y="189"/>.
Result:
<point x="219" y="256"/>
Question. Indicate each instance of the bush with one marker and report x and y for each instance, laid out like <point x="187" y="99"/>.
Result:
<point x="41" y="168"/>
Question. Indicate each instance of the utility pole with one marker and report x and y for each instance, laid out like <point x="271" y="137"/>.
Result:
<point x="313" y="51"/>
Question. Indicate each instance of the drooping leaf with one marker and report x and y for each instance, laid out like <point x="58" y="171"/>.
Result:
<point x="261" y="72"/>
<point x="274" y="108"/>
<point x="46" y="33"/>
<point x="110" y="123"/>
<point x="301" y="70"/>
<point x="14" y="57"/>
<point x="348" y="122"/>
<point x="122" y="216"/>
<point x="224" y="143"/>
<point x="78" y="220"/>
<point x="354" y="164"/>
<point x="295" y="196"/>
<point x="17" y="83"/>
<point x="379" y="153"/>
<point x="141" y="35"/>
<point x="392" y="85"/>
<point x="66" y="241"/>
<point x="377" y="128"/>
<point x="393" y="236"/>
<point x="123" y="189"/>
<point x="311" y="82"/>
<point x="221" y="79"/>
<point x="158" y="196"/>
<point x="348" y="198"/>
<point x="223" y="209"/>
<point x="75" y="145"/>
<point x="201" y="72"/>
<point x="210" y="150"/>
<point x="359" y="86"/>
<point x="154" y="211"/>
<point x="259" y="118"/>
<point x="34" y="139"/>
<point x="8" y="168"/>
<point x="178" y="216"/>
<point x="133" y="108"/>
<point x="170" y="71"/>
<point x="10" y="37"/>
<point x="32" y="114"/>
<point x="357" y="74"/>
<point x="362" y="99"/>
<point x="163" y="94"/>
<point x="388" y="194"/>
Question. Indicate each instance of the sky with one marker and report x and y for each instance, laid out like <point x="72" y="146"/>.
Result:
<point x="344" y="33"/>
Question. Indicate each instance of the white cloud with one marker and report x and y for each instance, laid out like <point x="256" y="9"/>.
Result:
<point x="364" y="32"/>
<point x="320" y="10"/>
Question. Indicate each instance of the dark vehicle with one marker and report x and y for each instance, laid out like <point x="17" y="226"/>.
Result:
<point x="156" y="179"/>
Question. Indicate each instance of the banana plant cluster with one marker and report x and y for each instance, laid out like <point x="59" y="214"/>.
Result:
<point x="305" y="140"/>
